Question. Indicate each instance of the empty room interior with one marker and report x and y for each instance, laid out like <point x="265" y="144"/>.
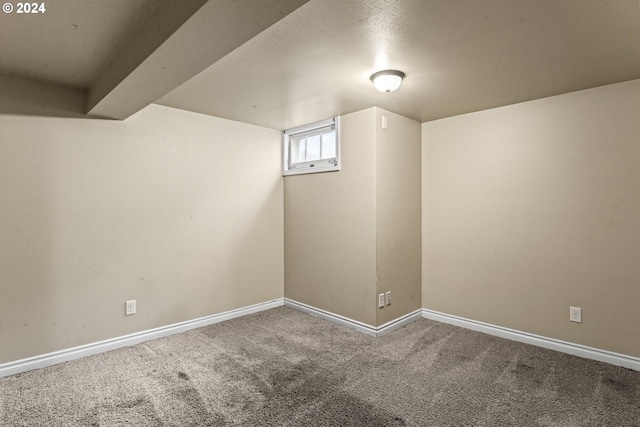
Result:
<point x="153" y="181"/>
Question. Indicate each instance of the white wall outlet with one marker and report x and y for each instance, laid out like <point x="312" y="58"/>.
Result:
<point x="384" y="122"/>
<point x="381" y="301"/>
<point x="130" y="307"/>
<point x="575" y="314"/>
<point x="388" y="297"/>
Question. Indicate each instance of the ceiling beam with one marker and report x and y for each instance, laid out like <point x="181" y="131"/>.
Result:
<point x="178" y="40"/>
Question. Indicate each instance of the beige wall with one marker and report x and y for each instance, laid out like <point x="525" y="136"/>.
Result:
<point x="526" y="210"/>
<point x="398" y="209"/>
<point x="330" y="228"/>
<point x="534" y="207"/>
<point x="180" y="211"/>
<point x="352" y="234"/>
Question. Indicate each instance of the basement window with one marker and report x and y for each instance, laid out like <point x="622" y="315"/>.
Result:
<point x="311" y="148"/>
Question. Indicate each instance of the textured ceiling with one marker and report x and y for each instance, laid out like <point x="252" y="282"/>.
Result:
<point x="124" y="54"/>
<point x="72" y="41"/>
<point x="282" y="63"/>
<point x="459" y="56"/>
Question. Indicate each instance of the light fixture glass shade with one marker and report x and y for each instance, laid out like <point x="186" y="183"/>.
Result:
<point x="387" y="80"/>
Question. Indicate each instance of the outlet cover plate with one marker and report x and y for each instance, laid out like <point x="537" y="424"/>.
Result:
<point x="575" y="314"/>
<point x="130" y="307"/>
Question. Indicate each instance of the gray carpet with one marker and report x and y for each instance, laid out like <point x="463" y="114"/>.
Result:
<point x="286" y="368"/>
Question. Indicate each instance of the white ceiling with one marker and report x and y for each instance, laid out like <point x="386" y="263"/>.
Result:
<point x="314" y="60"/>
<point x="72" y="41"/>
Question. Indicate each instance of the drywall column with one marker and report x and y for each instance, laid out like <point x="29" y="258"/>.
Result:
<point x="330" y="228"/>
<point x="353" y="232"/>
<point x="531" y="208"/>
<point x="398" y="214"/>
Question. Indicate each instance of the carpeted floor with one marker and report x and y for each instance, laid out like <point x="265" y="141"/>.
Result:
<point x="285" y="368"/>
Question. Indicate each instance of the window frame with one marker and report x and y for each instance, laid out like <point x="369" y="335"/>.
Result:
<point x="312" y="166"/>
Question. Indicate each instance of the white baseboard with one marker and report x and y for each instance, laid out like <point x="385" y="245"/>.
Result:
<point x="56" y="357"/>
<point x="61" y="356"/>
<point x="354" y="324"/>
<point x="617" y="359"/>
<point x="399" y="322"/>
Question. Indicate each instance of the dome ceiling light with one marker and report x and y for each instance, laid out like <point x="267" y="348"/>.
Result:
<point x="387" y="80"/>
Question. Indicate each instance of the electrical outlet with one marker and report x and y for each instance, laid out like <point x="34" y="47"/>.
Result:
<point x="381" y="301"/>
<point x="130" y="307"/>
<point x="388" y="297"/>
<point x="575" y="314"/>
